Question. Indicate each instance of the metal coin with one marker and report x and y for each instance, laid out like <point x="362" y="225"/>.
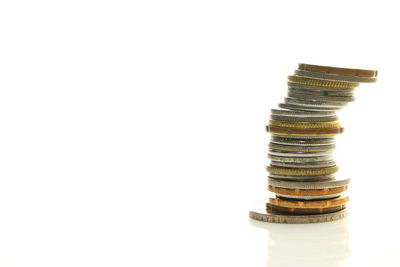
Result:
<point x="314" y="87"/>
<point x="275" y="152"/>
<point x="303" y="171"/>
<point x="315" y="164"/>
<point x="305" y="193"/>
<point x="320" y="97"/>
<point x="308" y="108"/>
<point x="259" y="212"/>
<point x="291" y="113"/>
<point x="314" y="103"/>
<point x="301" y="148"/>
<point x="303" y="119"/>
<point x="322" y="83"/>
<point x="302" y="142"/>
<point x="300" y="90"/>
<point x="334" y="77"/>
<point x="302" y="211"/>
<point x="307" y="197"/>
<point x="300" y="159"/>
<point x="321" y="203"/>
<point x="327" y="183"/>
<point x="300" y="178"/>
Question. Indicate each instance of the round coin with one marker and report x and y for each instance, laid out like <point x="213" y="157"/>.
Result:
<point x="259" y="212"/>
<point x="308" y="108"/>
<point x="325" y="203"/>
<point x="320" y="97"/>
<point x="301" y="148"/>
<point x="302" y="142"/>
<point x="291" y="113"/>
<point x="302" y="171"/>
<point x="302" y="211"/>
<point x="327" y="183"/>
<point x="318" y="164"/>
<point x="303" y="119"/>
<point x="322" y="83"/>
<point x="334" y="77"/>
<point x="300" y="90"/>
<point x="300" y="159"/>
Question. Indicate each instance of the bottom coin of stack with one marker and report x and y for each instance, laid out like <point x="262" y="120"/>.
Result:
<point x="303" y="130"/>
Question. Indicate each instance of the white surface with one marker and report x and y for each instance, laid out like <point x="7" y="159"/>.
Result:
<point x="132" y="132"/>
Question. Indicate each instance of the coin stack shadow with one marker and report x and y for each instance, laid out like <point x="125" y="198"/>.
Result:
<point x="303" y="129"/>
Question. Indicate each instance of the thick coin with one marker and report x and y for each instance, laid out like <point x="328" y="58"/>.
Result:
<point x="286" y="131"/>
<point x="307" y="192"/>
<point x="302" y="211"/>
<point x="338" y="70"/>
<point x="327" y="183"/>
<point x="306" y="125"/>
<point x="299" y="154"/>
<point x="321" y="83"/>
<point x="334" y="77"/>
<point x="259" y="212"/>
<point x="302" y="172"/>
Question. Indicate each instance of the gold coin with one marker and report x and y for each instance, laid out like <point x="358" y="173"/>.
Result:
<point x="306" y="125"/>
<point x="302" y="172"/>
<point x="326" y="203"/>
<point x="307" y="192"/>
<point x="320" y="82"/>
<point x="284" y="131"/>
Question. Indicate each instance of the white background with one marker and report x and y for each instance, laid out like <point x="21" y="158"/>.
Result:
<point x="132" y="132"/>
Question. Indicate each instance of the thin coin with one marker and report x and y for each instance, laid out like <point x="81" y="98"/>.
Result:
<point x="306" y="125"/>
<point x="300" y="90"/>
<point x="300" y="159"/>
<point x="291" y="113"/>
<point x="321" y="83"/>
<point x="308" y="108"/>
<point x="334" y="77"/>
<point x="320" y="97"/>
<point x="317" y="164"/>
<point x="299" y="154"/>
<point x="323" y="88"/>
<point x="314" y="103"/>
<point x="338" y="70"/>
<point x="307" y="197"/>
<point x="342" y="200"/>
<point x="303" y="119"/>
<point x="307" y="192"/>
<point x="302" y="142"/>
<point x="327" y="183"/>
<point x="301" y="148"/>
<point x="286" y="131"/>
<point x="259" y="212"/>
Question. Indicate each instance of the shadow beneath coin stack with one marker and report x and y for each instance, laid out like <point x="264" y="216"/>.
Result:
<point x="321" y="244"/>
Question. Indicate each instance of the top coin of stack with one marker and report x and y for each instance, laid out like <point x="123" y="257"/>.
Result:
<point x="303" y="129"/>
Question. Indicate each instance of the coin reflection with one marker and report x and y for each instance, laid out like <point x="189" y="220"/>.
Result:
<point x="321" y="244"/>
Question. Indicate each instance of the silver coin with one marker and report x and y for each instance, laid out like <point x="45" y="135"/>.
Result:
<point x="319" y="97"/>
<point x="260" y="213"/>
<point x="299" y="159"/>
<point x="300" y="178"/>
<point x="303" y="165"/>
<point x="302" y="142"/>
<point x="334" y="77"/>
<point x="320" y="92"/>
<point x="315" y="87"/>
<point x="314" y="103"/>
<point x="297" y="197"/>
<point x="294" y="148"/>
<point x="299" y="154"/>
<point x="308" y="108"/>
<point x="290" y="113"/>
<point x="322" y="184"/>
<point x="303" y="119"/>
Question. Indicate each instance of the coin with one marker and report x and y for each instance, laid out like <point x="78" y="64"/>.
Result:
<point x="301" y="148"/>
<point x="301" y="90"/>
<point x="338" y="70"/>
<point x="302" y="172"/>
<point x="291" y="113"/>
<point x="306" y="125"/>
<point x="300" y="159"/>
<point x="286" y="131"/>
<point x="320" y="97"/>
<point x="302" y="142"/>
<point x="307" y="192"/>
<point x="334" y="77"/>
<point x="315" y="164"/>
<point x="303" y="119"/>
<point x="259" y="212"/>
<point x="314" y="103"/>
<point x="308" y="108"/>
<point x="303" y="211"/>
<point x="321" y="203"/>
<point x="321" y="83"/>
<point x="327" y="183"/>
<point x="299" y="154"/>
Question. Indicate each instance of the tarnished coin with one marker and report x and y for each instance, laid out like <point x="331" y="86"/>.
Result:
<point x="300" y="178"/>
<point x="340" y="71"/>
<point x="259" y="212"/>
<point x="287" y="131"/>
<point x="315" y="164"/>
<point x="300" y="90"/>
<point x="302" y="172"/>
<point x="305" y="125"/>
<point x="299" y="137"/>
<point x="326" y="183"/>
<point x="300" y="148"/>
<point x="302" y="211"/>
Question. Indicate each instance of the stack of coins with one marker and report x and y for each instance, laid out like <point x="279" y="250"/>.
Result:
<point x="303" y="129"/>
